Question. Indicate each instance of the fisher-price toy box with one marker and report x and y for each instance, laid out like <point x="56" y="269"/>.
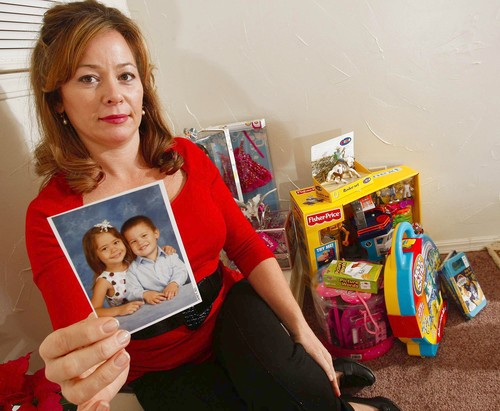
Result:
<point x="352" y="225"/>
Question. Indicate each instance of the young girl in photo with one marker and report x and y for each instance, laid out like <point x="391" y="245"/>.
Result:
<point x="109" y="258"/>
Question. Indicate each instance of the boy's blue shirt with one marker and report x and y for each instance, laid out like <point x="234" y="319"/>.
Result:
<point x="148" y="275"/>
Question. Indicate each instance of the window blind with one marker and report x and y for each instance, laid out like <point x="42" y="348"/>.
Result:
<point x="20" y="22"/>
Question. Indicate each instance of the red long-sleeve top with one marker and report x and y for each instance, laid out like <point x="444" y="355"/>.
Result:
<point x="208" y="219"/>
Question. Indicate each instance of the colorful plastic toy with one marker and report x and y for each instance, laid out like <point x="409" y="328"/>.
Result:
<point x="376" y="237"/>
<point x="415" y="307"/>
<point x="355" y="323"/>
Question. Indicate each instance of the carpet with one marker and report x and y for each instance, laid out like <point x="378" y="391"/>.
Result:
<point x="465" y="373"/>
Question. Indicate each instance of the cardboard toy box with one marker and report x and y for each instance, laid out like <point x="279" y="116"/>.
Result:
<point x="325" y="230"/>
<point x="335" y="171"/>
<point x="353" y="275"/>
<point x="462" y="285"/>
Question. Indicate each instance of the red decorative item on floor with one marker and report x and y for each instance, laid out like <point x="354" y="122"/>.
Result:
<point x="252" y="174"/>
<point x="30" y="392"/>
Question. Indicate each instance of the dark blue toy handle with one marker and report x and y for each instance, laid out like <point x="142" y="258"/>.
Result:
<point x="405" y="259"/>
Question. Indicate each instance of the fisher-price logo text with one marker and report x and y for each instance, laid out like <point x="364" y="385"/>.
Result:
<point x="324" y="217"/>
<point x="304" y="190"/>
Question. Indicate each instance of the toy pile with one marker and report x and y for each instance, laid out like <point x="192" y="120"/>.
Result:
<point x="373" y="273"/>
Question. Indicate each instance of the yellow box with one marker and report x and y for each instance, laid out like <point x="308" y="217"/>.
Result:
<point x="334" y="191"/>
<point x="320" y="223"/>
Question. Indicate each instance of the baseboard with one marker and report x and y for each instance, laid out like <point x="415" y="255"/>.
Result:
<point x="466" y="244"/>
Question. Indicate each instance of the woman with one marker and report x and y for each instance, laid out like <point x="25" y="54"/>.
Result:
<point x="102" y="134"/>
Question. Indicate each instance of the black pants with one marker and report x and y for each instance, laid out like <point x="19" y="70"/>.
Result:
<point x="257" y="366"/>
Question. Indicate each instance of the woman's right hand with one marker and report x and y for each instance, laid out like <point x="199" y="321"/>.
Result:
<point x="88" y="360"/>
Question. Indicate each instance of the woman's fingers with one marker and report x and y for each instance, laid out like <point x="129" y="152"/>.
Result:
<point x="71" y="351"/>
<point x="105" y="376"/>
<point x="327" y="364"/>
<point x="68" y="339"/>
<point x="88" y="361"/>
<point x="78" y="362"/>
<point x="321" y="355"/>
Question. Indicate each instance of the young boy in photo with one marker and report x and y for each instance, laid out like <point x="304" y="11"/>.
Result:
<point x="154" y="275"/>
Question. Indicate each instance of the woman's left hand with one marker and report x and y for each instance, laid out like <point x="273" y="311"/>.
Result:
<point x="269" y="282"/>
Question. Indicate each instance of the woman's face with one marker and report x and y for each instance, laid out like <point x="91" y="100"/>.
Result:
<point x="103" y="100"/>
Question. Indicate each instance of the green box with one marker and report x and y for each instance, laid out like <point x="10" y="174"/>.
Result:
<point x="353" y="275"/>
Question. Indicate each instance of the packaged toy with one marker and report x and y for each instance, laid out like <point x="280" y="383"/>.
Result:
<point x="375" y="232"/>
<point x="278" y="233"/>
<point x="353" y="275"/>
<point x="334" y="169"/>
<point x="462" y="285"/>
<point x="355" y="324"/>
<point x="241" y="153"/>
<point x="415" y="307"/>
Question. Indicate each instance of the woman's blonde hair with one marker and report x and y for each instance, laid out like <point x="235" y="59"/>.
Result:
<point x="66" y="31"/>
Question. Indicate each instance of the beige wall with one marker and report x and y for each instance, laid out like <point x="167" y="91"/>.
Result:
<point x="23" y="319"/>
<point x="415" y="81"/>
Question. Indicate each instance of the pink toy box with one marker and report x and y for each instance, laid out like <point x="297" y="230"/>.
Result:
<point x="355" y="324"/>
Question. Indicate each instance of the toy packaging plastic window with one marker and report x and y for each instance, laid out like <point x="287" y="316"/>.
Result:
<point x="355" y="323"/>
<point x="241" y="153"/>
<point x="277" y="231"/>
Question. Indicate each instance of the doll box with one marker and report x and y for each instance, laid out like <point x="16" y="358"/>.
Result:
<point x="216" y="142"/>
<point x="241" y="153"/>
<point x="462" y="285"/>
<point x="356" y="276"/>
